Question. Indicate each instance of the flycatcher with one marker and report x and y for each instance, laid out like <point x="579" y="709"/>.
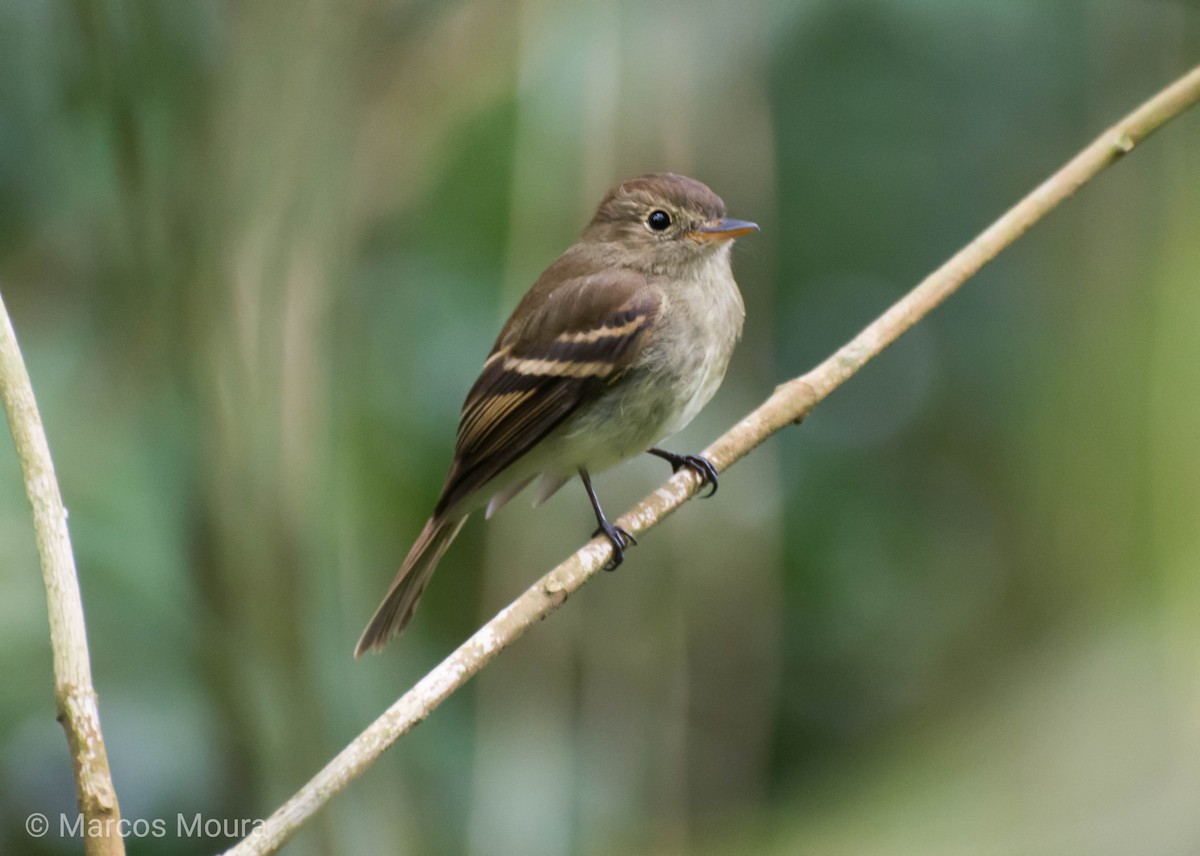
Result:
<point x="618" y="344"/>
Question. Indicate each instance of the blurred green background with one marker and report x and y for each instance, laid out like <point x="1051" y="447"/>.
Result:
<point x="256" y="252"/>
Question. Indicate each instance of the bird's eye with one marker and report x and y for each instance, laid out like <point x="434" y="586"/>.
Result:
<point x="658" y="220"/>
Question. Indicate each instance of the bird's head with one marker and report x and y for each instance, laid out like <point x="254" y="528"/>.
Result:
<point x="663" y="221"/>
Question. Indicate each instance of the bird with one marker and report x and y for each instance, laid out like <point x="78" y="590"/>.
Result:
<point x="619" y="344"/>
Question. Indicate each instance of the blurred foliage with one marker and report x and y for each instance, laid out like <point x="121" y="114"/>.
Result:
<point x="255" y="254"/>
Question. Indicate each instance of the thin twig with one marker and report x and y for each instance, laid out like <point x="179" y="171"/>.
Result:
<point x="74" y="696"/>
<point x="790" y="403"/>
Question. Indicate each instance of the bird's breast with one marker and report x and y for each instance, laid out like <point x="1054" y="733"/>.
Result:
<point x="677" y="371"/>
<point x="697" y="340"/>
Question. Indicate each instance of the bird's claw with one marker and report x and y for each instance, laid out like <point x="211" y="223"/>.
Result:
<point x="620" y="540"/>
<point x="698" y="464"/>
<point x="702" y="467"/>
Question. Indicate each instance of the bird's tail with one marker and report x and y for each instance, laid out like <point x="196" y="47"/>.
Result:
<point x="401" y="599"/>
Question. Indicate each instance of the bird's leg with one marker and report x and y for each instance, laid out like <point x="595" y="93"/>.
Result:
<point x="619" y="537"/>
<point x="698" y="464"/>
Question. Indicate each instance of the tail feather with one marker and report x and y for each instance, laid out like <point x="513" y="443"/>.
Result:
<point x="401" y="599"/>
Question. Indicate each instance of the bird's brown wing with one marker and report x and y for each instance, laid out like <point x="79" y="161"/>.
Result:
<point x="578" y="338"/>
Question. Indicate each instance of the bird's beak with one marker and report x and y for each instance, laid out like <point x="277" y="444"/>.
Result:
<point x="724" y="229"/>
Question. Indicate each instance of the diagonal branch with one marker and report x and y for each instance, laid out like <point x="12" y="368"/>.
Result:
<point x="791" y="402"/>
<point x="74" y="695"/>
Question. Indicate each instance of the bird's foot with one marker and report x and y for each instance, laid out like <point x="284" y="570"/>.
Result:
<point x="698" y="464"/>
<point x="619" y="537"/>
<point x="620" y="540"/>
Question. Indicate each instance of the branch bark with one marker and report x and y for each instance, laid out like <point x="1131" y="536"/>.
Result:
<point x="74" y="695"/>
<point x="790" y="403"/>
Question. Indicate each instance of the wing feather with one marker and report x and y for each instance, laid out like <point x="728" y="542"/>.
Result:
<point x="581" y="337"/>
